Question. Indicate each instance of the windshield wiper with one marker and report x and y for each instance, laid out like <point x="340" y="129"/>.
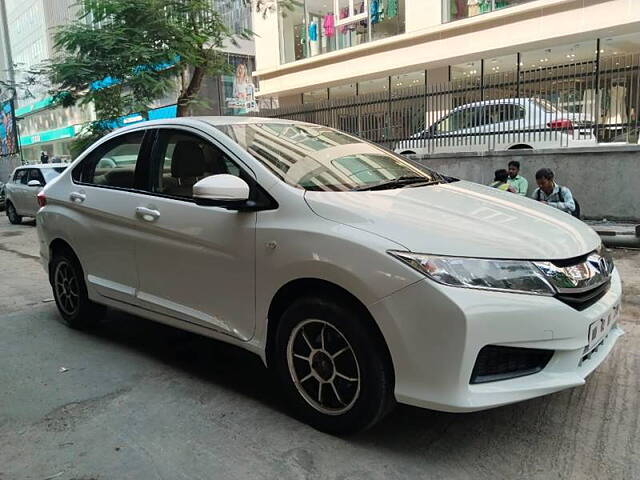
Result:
<point x="398" y="182"/>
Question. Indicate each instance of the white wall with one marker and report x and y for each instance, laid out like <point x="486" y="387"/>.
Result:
<point x="267" y="44"/>
<point x="530" y="26"/>
<point x="422" y="14"/>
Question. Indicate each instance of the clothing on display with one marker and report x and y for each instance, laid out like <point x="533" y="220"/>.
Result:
<point x="392" y="8"/>
<point x="485" y="6"/>
<point x="373" y="11"/>
<point x="328" y="23"/>
<point x="473" y="7"/>
<point x="313" y="31"/>
<point x="344" y="13"/>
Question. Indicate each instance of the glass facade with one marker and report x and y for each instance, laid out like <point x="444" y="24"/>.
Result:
<point x="459" y="9"/>
<point x="315" y="27"/>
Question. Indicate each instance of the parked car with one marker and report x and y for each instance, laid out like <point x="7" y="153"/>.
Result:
<point x="23" y="187"/>
<point x="2" y="196"/>
<point x="360" y="278"/>
<point x="506" y="124"/>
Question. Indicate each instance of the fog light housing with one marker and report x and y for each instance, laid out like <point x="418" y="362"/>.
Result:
<point x="495" y="363"/>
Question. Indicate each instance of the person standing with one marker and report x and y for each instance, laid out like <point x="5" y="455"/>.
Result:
<point x="517" y="181"/>
<point x="552" y="194"/>
<point x="44" y="157"/>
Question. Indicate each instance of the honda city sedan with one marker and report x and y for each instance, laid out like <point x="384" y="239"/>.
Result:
<point x="362" y="278"/>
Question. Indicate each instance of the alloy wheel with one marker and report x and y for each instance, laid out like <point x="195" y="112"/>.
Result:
<point x="11" y="213"/>
<point x="323" y="367"/>
<point x="67" y="288"/>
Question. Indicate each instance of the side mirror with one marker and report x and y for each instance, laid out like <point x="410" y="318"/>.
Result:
<point x="222" y="190"/>
<point x="34" y="183"/>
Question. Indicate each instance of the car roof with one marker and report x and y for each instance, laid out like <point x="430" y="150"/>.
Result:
<point x="210" y="120"/>
<point x="517" y="101"/>
<point x="43" y="165"/>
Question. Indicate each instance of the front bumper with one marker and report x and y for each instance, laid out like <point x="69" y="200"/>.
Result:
<point x="435" y="333"/>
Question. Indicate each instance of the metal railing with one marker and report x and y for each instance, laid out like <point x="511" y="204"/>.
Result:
<point x="570" y="105"/>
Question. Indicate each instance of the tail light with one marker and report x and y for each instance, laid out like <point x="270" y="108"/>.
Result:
<point x="562" y="124"/>
<point x="42" y="199"/>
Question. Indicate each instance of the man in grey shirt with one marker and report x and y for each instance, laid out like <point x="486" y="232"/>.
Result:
<point x="551" y="193"/>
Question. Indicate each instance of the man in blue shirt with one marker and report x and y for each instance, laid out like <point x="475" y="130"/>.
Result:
<point x="551" y="193"/>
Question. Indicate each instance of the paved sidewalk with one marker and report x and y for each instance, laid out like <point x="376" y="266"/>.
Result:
<point x="139" y="400"/>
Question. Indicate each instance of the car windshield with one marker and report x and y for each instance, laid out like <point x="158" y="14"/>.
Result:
<point x="314" y="157"/>
<point x="51" y="173"/>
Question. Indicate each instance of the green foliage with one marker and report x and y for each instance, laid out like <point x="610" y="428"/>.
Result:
<point x="150" y="48"/>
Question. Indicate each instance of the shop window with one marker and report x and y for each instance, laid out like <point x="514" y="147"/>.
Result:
<point x="459" y="9"/>
<point x="315" y="96"/>
<point x="377" y="85"/>
<point x="315" y="27"/>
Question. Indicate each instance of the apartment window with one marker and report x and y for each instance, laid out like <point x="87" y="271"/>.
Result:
<point x="459" y="9"/>
<point x="316" y="27"/>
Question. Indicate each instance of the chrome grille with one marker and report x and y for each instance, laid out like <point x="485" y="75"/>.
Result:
<point x="580" y="282"/>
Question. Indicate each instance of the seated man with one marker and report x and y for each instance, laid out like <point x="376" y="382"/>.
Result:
<point x="500" y="181"/>
<point x="551" y="193"/>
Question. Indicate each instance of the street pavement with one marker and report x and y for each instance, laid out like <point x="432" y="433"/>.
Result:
<point x="138" y="400"/>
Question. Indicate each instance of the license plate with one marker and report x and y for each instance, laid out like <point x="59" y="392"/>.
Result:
<point x="600" y="328"/>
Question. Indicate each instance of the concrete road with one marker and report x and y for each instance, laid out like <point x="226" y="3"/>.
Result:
<point x="142" y="401"/>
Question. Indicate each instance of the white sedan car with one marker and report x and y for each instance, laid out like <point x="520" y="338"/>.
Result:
<point x="361" y="278"/>
<point x="503" y="124"/>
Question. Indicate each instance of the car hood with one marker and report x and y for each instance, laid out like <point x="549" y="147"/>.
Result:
<point x="460" y="219"/>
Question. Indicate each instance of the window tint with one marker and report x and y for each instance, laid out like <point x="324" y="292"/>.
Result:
<point x="180" y="159"/>
<point x="504" y="112"/>
<point x="293" y="153"/>
<point x="34" y="174"/>
<point x="51" y="173"/>
<point x="460" y="119"/>
<point x="20" y="176"/>
<point x="112" y="164"/>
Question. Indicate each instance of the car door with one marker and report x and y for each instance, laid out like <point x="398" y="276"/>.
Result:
<point x="104" y="197"/>
<point x="18" y="190"/>
<point x="195" y="263"/>
<point x="30" y="193"/>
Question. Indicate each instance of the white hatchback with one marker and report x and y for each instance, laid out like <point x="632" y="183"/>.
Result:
<point x="360" y="277"/>
<point x="23" y="187"/>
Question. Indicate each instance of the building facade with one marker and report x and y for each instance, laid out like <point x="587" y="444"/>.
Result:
<point x="26" y="40"/>
<point x="332" y="49"/>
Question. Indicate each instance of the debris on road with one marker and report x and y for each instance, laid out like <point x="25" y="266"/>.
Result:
<point x="63" y="369"/>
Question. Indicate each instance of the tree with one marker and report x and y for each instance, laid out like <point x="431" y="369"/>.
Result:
<point x="121" y="55"/>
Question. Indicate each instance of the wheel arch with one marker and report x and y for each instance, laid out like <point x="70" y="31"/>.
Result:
<point x="300" y="287"/>
<point x="520" y="146"/>
<point x="61" y="245"/>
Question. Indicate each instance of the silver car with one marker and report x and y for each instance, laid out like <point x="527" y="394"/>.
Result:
<point x="22" y="189"/>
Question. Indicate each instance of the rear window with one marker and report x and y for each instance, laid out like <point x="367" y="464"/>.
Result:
<point x="51" y="173"/>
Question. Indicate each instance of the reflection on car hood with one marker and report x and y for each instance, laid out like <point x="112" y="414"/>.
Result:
<point x="461" y="219"/>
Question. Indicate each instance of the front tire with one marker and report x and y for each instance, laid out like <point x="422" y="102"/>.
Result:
<point x="333" y="366"/>
<point x="13" y="216"/>
<point x="70" y="292"/>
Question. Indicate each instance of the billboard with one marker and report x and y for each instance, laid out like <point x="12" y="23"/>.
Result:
<point x="8" y="131"/>
<point x="239" y="90"/>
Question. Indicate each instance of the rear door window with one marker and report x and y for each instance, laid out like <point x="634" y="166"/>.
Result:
<point x="20" y="176"/>
<point x="112" y="164"/>
<point x="34" y="174"/>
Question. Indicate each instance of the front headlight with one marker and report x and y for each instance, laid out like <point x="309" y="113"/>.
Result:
<point x="485" y="274"/>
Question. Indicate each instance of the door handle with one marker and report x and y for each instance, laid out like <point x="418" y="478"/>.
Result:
<point x="77" y="197"/>
<point x="147" y="214"/>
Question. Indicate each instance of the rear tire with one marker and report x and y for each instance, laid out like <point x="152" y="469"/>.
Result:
<point x="70" y="292"/>
<point x="333" y="366"/>
<point x="13" y="216"/>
